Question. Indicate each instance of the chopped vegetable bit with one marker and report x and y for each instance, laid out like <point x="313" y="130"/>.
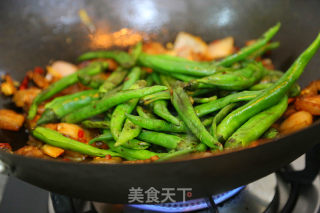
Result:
<point x="7" y="87"/>
<point x="52" y="151"/>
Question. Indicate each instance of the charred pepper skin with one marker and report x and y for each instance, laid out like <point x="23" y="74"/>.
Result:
<point x="183" y="106"/>
<point x="92" y="69"/>
<point x="269" y="96"/>
<point x="257" y="125"/>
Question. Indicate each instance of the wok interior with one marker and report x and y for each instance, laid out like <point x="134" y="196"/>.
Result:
<point x="46" y="31"/>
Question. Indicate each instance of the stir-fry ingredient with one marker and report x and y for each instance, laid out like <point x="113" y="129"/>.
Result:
<point x="10" y="120"/>
<point x="153" y="104"/>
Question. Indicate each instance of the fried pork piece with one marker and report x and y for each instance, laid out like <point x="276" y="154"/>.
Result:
<point x="25" y="97"/>
<point x="7" y="87"/>
<point x="190" y="46"/>
<point x="309" y="99"/>
<point x="31" y="151"/>
<point x="295" y="122"/>
<point x="10" y="120"/>
<point x="52" y="151"/>
<point x="153" y="48"/>
<point x="38" y="79"/>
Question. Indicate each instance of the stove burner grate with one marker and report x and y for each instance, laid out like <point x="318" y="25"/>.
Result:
<point x="190" y="205"/>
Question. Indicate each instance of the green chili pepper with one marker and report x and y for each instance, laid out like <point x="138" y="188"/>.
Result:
<point x="106" y="136"/>
<point x="93" y="82"/>
<point x="92" y="69"/>
<point x="136" y="51"/>
<point x="219" y="117"/>
<point x="247" y="51"/>
<point x="119" y="113"/>
<point x="172" y="155"/>
<point x="199" y="92"/>
<point x="265" y="48"/>
<point x="95" y="124"/>
<point x="207" y="121"/>
<point x="182" y="77"/>
<point x="182" y="104"/>
<point x="132" y="77"/>
<point x="161" y="139"/>
<point x="124" y="59"/>
<point x="204" y="109"/>
<point x="171" y="64"/>
<point x="205" y="100"/>
<point x="129" y="132"/>
<point x="113" y="80"/>
<point x="136" y="144"/>
<point x="160" y="109"/>
<point x="164" y="95"/>
<point x="132" y="144"/>
<point x="149" y="81"/>
<point x="257" y="125"/>
<point x="132" y="154"/>
<point x="97" y="107"/>
<point x="231" y="80"/>
<point x="63" y="105"/>
<point x="269" y="96"/>
<point x="156" y="77"/>
<point x="144" y="113"/>
<point x="54" y="138"/>
<point x="260" y="86"/>
<point x="271" y="133"/>
<point x="156" y="124"/>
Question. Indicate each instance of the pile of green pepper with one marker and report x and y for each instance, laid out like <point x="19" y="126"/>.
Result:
<point x="181" y="107"/>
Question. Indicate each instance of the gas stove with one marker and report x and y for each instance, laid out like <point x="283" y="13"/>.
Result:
<point x="295" y="189"/>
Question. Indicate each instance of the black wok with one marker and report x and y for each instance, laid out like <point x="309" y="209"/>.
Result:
<point x="34" y="32"/>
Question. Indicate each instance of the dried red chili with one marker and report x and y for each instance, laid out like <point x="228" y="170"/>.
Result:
<point x="24" y="83"/>
<point x="38" y="70"/>
<point x="80" y="134"/>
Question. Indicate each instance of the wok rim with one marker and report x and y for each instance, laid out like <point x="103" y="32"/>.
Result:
<point x="224" y="153"/>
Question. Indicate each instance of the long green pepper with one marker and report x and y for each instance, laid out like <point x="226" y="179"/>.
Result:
<point x="63" y="105"/>
<point x="183" y="106"/>
<point x="54" y="138"/>
<point x="257" y="125"/>
<point x="269" y="96"/>
<point x="92" y="69"/>
<point x="97" y="107"/>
